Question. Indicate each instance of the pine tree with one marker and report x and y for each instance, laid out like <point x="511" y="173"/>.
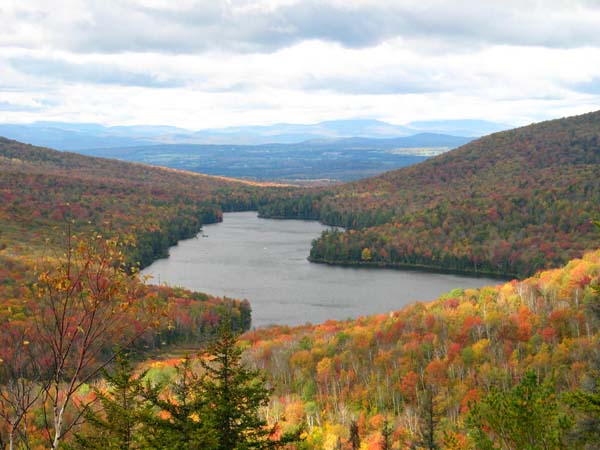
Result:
<point x="586" y="405"/>
<point x="526" y="417"/>
<point x="235" y="394"/>
<point x="386" y="435"/>
<point x="585" y="401"/>
<point x="116" y="425"/>
<point x="428" y="419"/>
<point x="178" y="419"/>
<point x="213" y="408"/>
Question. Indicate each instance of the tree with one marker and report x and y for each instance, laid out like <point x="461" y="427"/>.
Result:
<point x="428" y="419"/>
<point x="20" y="384"/>
<point x="585" y="402"/>
<point x="386" y="435"/>
<point x="178" y="419"/>
<point x="354" y="435"/>
<point x="214" y="408"/>
<point x="235" y="394"/>
<point x="527" y="417"/>
<point x="81" y="304"/>
<point x="586" y="406"/>
<point x="116" y="425"/>
<point x="366" y="254"/>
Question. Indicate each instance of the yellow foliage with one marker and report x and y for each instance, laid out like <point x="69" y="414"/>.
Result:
<point x="480" y="348"/>
<point x="366" y="254"/>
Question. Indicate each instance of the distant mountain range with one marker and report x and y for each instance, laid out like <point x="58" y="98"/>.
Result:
<point x="318" y="159"/>
<point x="82" y="136"/>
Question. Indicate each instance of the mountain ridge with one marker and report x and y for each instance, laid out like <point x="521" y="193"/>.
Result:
<point x="74" y="136"/>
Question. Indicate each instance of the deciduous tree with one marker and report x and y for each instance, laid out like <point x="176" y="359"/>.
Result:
<point x="81" y="304"/>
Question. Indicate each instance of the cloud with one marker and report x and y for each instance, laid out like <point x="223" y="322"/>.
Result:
<point x="232" y="62"/>
<point x="374" y="84"/>
<point x="97" y="73"/>
<point x="18" y="101"/>
<point x="6" y="106"/>
<point x="264" y="26"/>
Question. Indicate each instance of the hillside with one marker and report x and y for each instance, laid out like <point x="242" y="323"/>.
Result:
<point x="434" y="360"/>
<point x="50" y="198"/>
<point x="42" y="189"/>
<point x="385" y="373"/>
<point x="506" y="204"/>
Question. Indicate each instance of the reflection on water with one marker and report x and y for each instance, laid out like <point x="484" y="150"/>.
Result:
<point x="264" y="261"/>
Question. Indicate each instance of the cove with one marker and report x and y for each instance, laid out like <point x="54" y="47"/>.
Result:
<point x="264" y="261"/>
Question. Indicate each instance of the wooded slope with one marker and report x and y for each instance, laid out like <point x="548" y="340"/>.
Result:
<point x="42" y="189"/>
<point x="434" y="360"/>
<point x="506" y="204"/>
<point x="48" y="197"/>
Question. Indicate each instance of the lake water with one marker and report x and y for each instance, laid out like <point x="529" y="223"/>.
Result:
<point x="264" y="260"/>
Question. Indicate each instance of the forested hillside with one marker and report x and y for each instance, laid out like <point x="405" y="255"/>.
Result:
<point x="507" y="204"/>
<point x="42" y="189"/>
<point x="73" y="232"/>
<point x="412" y="378"/>
<point x="49" y="197"/>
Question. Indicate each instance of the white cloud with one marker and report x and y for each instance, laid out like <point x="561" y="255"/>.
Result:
<point x="218" y="63"/>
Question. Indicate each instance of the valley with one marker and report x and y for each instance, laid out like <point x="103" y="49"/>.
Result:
<point x="299" y="225"/>
<point x="519" y="203"/>
<point x="265" y="261"/>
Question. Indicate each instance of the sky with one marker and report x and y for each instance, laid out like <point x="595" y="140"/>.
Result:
<point x="210" y="64"/>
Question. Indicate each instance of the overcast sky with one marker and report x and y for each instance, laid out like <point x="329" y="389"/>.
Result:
<point x="199" y="64"/>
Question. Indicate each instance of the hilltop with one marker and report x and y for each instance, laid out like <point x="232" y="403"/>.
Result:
<point x="532" y="191"/>
<point x="507" y="204"/>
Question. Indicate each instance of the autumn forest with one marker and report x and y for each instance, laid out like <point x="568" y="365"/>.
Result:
<point x="92" y="356"/>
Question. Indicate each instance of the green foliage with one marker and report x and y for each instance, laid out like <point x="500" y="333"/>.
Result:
<point x="178" y="421"/>
<point x="354" y="436"/>
<point x="585" y="402"/>
<point x="386" y="435"/>
<point x="117" y="422"/>
<point x="150" y="207"/>
<point x="527" y="417"/>
<point x="586" y="408"/>
<point x="424" y="364"/>
<point x="213" y="406"/>
<point x="429" y="419"/>
<point x="235" y="394"/>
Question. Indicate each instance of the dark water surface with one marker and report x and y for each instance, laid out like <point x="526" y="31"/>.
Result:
<point x="264" y="261"/>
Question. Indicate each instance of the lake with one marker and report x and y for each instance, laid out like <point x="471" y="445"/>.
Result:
<point x="264" y="260"/>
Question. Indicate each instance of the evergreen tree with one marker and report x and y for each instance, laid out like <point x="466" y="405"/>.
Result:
<point x="214" y="408"/>
<point x="235" y="394"/>
<point x="116" y="425"/>
<point x="585" y="402"/>
<point x="428" y="419"/>
<point x="525" y="418"/>
<point x="178" y="420"/>
<point x="386" y="435"/>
